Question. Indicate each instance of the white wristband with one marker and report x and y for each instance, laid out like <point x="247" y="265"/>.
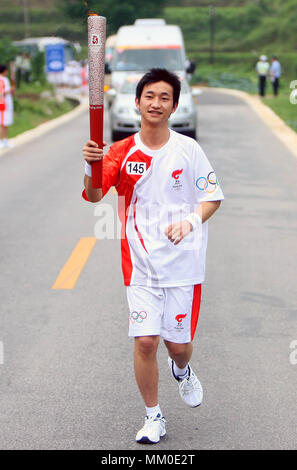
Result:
<point x="194" y="219"/>
<point x="88" y="169"/>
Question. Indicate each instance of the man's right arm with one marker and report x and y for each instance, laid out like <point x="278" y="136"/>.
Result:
<point x="93" y="194"/>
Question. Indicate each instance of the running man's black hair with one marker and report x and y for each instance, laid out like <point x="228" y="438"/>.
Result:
<point x="160" y="75"/>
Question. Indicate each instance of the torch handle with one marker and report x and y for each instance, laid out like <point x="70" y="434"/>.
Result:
<point x="96" y="133"/>
<point x="96" y="55"/>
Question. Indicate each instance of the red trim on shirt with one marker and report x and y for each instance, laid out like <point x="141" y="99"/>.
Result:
<point x="114" y="175"/>
<point x="136" y="228"/>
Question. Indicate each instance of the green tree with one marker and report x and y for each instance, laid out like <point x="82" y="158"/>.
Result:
<point x="7" y="51"/>
<point x="38" y="67"/>
<point x="117" y="13"/>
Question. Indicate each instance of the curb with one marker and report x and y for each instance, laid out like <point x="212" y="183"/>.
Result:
<point x="284" y="133"/>
<point x="32" y="134"/>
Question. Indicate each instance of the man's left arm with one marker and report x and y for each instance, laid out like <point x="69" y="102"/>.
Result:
<point x="178" y="231"/>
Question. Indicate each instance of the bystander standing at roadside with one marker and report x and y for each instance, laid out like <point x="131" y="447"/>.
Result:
<point x="27" y="68"/>
<point x="262" y="68"/>
<point x="6" y="107"/>
<point x="275" y="73"/>
<point x="19" y="68"/>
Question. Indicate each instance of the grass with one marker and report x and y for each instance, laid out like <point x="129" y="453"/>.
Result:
<point x="282" y="106"/>
<point x="32" y="109"/>
<point x="241" y="75"/>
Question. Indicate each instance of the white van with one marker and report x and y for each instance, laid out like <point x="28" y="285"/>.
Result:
<point x="109" y="48"/>
<point x="146" y="44"/>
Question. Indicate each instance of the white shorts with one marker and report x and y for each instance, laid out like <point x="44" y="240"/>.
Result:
<point x="169" y="312"/>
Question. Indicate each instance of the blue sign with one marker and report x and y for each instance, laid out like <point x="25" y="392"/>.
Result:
<point x="55" y="60"/>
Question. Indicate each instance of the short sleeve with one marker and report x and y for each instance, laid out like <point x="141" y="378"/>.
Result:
<point x="207" y="185"/>
<point x="111" y="165"/>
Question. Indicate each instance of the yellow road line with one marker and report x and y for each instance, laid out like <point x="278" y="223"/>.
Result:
<point x="70" y="273"/>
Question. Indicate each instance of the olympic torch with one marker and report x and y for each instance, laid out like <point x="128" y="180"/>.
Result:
<point x="96" y="59"/>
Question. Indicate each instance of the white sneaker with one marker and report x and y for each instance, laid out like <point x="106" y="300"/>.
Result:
<point x="2" y="144"/>
<point x="190" y="389"/>
<point x="152" y="431"/>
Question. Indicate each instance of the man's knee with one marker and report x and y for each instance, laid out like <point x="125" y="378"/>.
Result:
<point x="178" y="350"/>
<point x="146" y="345"/>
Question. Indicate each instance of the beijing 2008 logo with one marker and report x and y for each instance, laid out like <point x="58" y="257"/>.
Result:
<point x="177" y="182"/>
<point x="208" y="184"/>
<point x="138" y="317"/>
<point x="179" y="318"/>
<point x="95" y="41"/>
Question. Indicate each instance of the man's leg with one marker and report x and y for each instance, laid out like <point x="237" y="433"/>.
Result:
<point x="190" y="388"/>
<point x="146" y="368"/>
<point x="4" y="132"/>
<point x="146" y="307"/>
<point x="275" y="86"/>
<point x="263" y="85"/>
<point x="147" y="377"/>
<point x="180" y="353"/>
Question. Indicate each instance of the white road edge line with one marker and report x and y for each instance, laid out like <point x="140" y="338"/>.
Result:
<point x="284" y="133"/>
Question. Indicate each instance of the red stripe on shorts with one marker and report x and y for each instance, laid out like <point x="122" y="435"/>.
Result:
<point x="195" y="309"/>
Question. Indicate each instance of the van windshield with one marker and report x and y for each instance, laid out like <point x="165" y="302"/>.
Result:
<point x="145" y="59"/>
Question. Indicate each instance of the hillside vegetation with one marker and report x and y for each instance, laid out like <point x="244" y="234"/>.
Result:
<point x="243" y="30"/>
<point x="240" y="25"/>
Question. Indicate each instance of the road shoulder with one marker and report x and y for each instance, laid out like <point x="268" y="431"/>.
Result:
<point x="38" y="131"/>
<point x="286" y="135"/>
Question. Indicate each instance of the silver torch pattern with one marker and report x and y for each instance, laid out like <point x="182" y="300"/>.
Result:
<point x="96" y="60"/>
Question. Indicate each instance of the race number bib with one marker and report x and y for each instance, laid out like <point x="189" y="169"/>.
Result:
<point x="135" y="168"/>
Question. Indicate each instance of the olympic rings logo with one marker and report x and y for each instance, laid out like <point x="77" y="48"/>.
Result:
<point x="211" y="181"/>
<point x="138" y="317"/>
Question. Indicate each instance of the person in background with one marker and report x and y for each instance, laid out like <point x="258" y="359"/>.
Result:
<point x="19" y="63"/>
<point x="275" y="73"/>
<point x="27" y="67"/>
<point x="262" y="69"/>
<point x="6" y="107"/>
<point x="84" y="78"/>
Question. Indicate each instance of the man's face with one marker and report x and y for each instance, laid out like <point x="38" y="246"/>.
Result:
<point x="156" y="102"/>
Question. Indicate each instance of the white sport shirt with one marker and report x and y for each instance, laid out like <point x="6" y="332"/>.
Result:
<point x="155" y="189"/>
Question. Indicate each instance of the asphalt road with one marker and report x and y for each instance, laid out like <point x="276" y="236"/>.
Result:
<point x="66" y="373"/>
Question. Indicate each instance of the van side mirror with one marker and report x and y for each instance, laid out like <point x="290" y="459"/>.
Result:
<point x="107" y="68"/>
<point x="191" y="67"/>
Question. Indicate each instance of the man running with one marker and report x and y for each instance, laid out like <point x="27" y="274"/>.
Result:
<point x="167" y="191"/>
